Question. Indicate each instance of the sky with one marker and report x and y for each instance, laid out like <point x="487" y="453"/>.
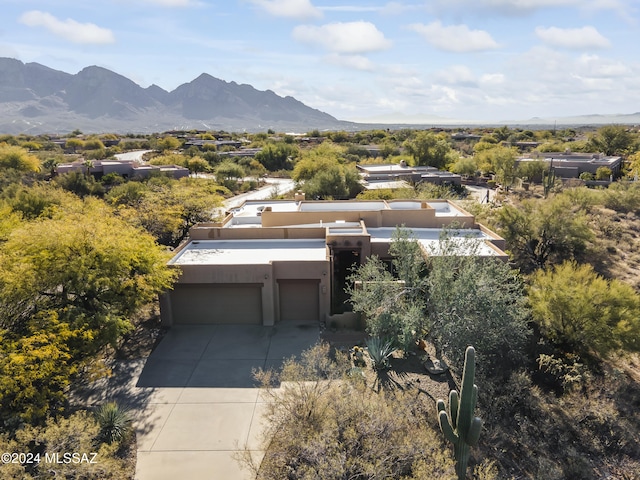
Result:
<point x="367" y="60"/>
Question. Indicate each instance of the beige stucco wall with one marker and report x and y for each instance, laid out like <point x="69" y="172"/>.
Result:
<point x="266" y="275"/>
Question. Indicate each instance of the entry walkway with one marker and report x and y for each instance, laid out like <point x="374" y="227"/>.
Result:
<point x="195" y="399"/>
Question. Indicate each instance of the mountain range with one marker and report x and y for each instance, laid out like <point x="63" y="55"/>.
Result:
<point x="38" y="99"/>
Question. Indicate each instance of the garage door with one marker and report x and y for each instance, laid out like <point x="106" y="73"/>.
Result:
<point x="298" y="301"/>
<point x="220" y="304"/>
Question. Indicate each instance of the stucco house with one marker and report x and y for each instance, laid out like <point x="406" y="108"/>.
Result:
<point x="571" y="165"/>
<point x="125" y="168"/>
<point x="393" y="175"/>
<point x="288" y="260"/>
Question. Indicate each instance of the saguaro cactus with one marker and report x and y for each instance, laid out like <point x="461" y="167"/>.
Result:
<point x="457" y="422"/>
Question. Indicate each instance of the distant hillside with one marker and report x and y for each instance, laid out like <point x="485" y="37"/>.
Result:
<point x="37" y="99"/>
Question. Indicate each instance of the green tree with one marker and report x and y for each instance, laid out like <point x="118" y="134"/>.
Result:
<point x="502" y="161"/>
<point x="277" y="156"/>
<point x="465" y="166"/>
<point x="79" y="183"/>
<point x="197" y="165"/>
<point x="167" y="208"/>
<point x="168" y="143"/>
<point x="532" y="170"/>
<point x="93" y="143"/>
<point x="92" y="268"/>
<point x="17" y="158"/>
<point x="74" y="144"/>
<point x="429" y="148"/>
<point x="579" y="310"/>
<point x="477" y="301"/>
<point x="611" y="140"/>
<point x="603" y="173"/>
<point x="36" y="368"/>
<point x="317" y="159"/>
<point x="335" y="181"/>
<point x="540" y="232"/>
<point x="37" y="200"/>
<point x="393" y="306"/>
<point x="228" y="173"/>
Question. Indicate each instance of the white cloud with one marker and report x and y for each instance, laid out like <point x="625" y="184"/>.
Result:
<point x="492" y="79"/>
<point x="298" y="9"/>
<point x="624" y="8"/>
<point x="527" y="4"/>
<point x="69" y="29"/>
<point x="456" y="75"/>
<point x="358" y="62"/>
<point x="573" y="38"/>
<point x="171" y="3"/>
<point x="350" y="37"/>
<point x="597" y="67"/>
<point x="455" y="38"/>
<point x="351" y="8"/>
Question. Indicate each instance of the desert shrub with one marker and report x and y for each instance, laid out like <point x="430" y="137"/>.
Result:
<point x="603" y="173"/>
<point x="567" y="370"/>
<point x="478" y="302"/>
<point x="75" y="434"/>
<point x="379" y="351"/>
<point x="586" y="176"/>
<point x="583" y="312"/>
<point x="622" y="197"/>
<point x="115" y="423"/>
<point x="329" y="430"/>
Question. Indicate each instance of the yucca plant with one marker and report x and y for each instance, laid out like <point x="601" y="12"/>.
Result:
<point x="115" y="423"/>
<point x="379" y="350"/>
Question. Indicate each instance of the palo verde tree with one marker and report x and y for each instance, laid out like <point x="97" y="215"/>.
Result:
<point x="17" y="158"/>
<point x="612" y="140"/>
<point x="539" y="232"/>
<point x="432" y="149"/>
<point x="580" y="311"/>
<point x="90" y="267"/>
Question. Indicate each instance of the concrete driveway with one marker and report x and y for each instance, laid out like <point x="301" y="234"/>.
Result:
<point x="195" y="400"/>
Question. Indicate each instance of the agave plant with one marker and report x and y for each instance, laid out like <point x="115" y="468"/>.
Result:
<point x="115" y="423"/>
<point x="379" y="350"/>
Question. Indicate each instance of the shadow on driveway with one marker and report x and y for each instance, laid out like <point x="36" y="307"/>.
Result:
<point x="222" y="356"/>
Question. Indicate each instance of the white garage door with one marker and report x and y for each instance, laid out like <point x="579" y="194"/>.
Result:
<point x="217" y="304"/>
<point x="299" y="301"/>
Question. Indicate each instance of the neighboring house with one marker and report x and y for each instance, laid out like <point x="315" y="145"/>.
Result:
<point x="126" y="168"/>
<point x="571" y="165"/>
<point x="289" y="260"/>
<point x="374" y="175"/>
<point x="196" y="142"/>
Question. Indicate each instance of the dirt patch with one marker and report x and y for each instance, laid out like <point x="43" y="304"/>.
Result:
<point x="145" y="336"/>
<point x="405" y="372"/>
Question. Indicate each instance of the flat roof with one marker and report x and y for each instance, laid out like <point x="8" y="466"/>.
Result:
<point x="250" y="252"/>
<point x="464" y="241"/>
<point x="253" y="208"/>
<point x="445" y="209"/>
<point x="344" y="206"/>
<point x="394" y="168"/>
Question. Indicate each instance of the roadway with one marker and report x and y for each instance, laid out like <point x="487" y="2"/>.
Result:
<point x="274" y="187"/>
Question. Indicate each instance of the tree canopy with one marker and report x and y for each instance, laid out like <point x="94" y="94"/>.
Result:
<point x="429" y="148"/>
<point x="580" y="310"/>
